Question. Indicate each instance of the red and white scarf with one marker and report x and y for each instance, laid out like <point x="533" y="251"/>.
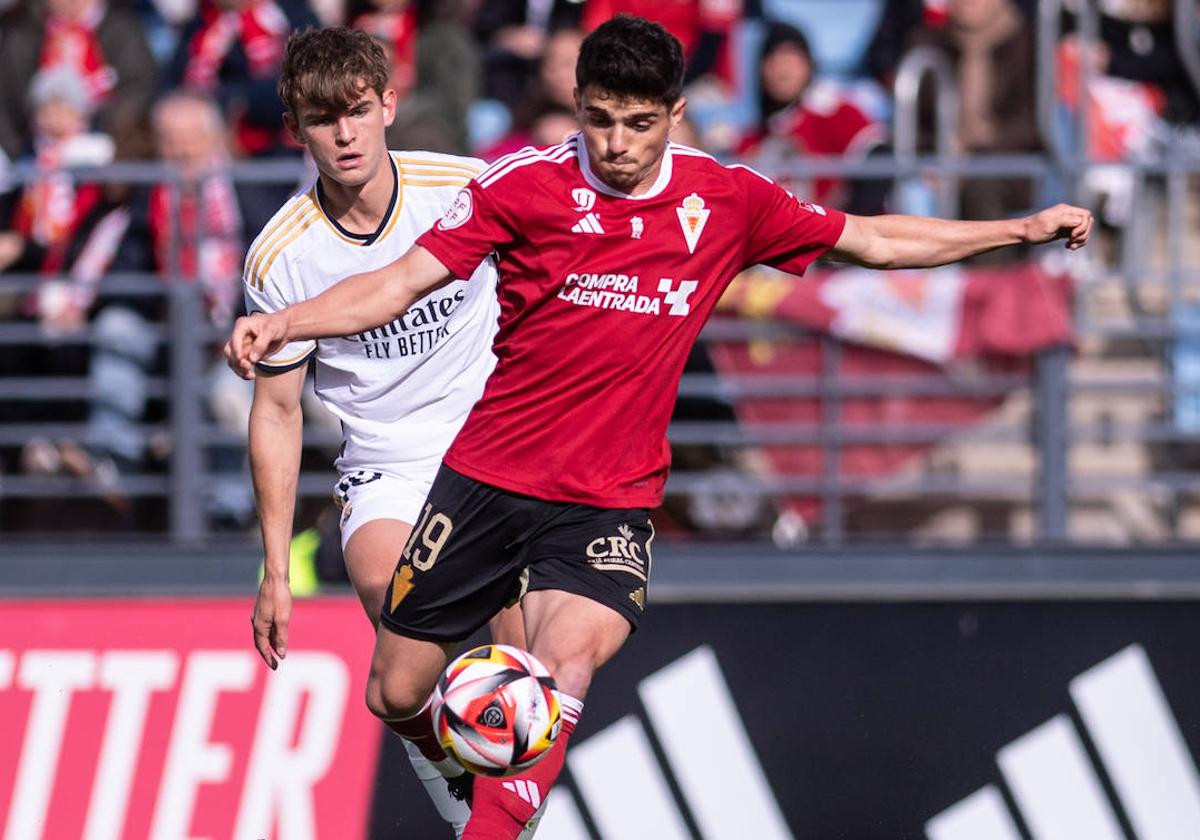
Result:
<point x="209" y="249"/>
<point x="399" y="31"/>
<point x="75" y="45"/>
<point x="53" y="205"/>
<point x="49" y="202"/>
<point x="261" y="29"/>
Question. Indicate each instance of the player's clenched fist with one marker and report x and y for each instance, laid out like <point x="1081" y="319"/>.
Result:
<point x="1062" y="221"/>
<point x="254" y="337"/>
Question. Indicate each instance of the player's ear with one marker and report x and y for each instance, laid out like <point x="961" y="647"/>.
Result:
<point x="389" y="106"/>
<point x="677" y="111"/>
<point x="578" y="100"/>
<point x="293" y="127"/>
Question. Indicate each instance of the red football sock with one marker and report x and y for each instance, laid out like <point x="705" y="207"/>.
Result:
<point x="501" y="807"/>
<point x="419" y="730"/>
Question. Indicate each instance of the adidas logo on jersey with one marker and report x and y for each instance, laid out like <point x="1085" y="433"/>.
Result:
<point x="588" y="224"/>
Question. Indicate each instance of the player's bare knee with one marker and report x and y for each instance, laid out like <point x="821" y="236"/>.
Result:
<point x="374" y="697"/>
<point x="391" y="696"/>
<point x="572" y="673"/>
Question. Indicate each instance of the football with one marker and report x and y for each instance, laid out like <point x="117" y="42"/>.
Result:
<point x="496" y="710"/>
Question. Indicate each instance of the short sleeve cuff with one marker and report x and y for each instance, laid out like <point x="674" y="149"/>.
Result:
<point x="289" y="358"/>
<point x="453" y="258"/>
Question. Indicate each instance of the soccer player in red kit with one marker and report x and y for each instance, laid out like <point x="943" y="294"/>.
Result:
<point x="613" y="249"/>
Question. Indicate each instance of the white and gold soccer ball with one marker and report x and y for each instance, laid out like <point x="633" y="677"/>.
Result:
<point x="496" y="710"/>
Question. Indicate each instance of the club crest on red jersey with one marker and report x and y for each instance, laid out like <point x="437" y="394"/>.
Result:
<point x="693" y="216"/>
<point x="638" y="226"/>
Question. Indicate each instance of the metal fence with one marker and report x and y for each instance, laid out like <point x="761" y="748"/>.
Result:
<point x="1102" y="443"/>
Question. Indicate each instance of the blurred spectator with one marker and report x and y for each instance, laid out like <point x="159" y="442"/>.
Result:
<point x="1139" y="99"/>
<point x="549" y="108"/>
<point x="552" y="125"/>
<point x="231" y="50"/>
<point x="703" y="27"/>
<point x="894" y="32"/>
<point x="60" y="306"/>
<point x="130" y="135"/>
<point x="555" y="82"/>
<point x="801" y="117"/>
<point x="10" y="248"/>
<point x="513" y="34"/>
<point x="51" y="207"/>
<point x="1125" y="119"/>
<point x="900" y="21"/>
<point x="435" y="70"/>
<point x="195" y="229"/>
<point x="838" y="30"/>
<point x="394" y="24"/>
<point x="192" y="231"/>
<point x="162" y="21"/>
<point x="1139" y="46"/>
<point x="103" y="45"/>
<point x="991" y="48"/>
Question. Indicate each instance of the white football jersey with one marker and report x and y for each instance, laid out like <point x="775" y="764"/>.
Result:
<point x="403" y="389"/>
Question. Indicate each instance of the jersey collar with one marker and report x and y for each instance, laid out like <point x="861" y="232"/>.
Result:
<point x="385" y="224"/>
<point x="660" y="183"/>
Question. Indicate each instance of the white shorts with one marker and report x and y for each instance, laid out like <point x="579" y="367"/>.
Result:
<point x="365" y="495"/>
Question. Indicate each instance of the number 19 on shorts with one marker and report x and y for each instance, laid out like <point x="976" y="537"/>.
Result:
<point x="428" y="538"/>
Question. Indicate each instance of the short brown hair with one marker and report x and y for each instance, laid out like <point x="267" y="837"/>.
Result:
<point x="331" y="68"/>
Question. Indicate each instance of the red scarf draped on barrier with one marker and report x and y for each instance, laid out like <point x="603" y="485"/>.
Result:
<point x="895" y="324"/>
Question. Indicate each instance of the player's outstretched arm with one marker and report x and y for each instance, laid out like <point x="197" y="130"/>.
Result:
<point x="893" y="241"/>
<point x="354" y="305"/>
<point x="276" y="434"/>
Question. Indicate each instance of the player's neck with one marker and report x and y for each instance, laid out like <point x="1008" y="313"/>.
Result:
<point x="360" y="209"/>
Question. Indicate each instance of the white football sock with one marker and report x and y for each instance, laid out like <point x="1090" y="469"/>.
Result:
<point x="454" y="811"/>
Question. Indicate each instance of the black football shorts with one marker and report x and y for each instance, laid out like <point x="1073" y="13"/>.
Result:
<point x="475" y="548"/>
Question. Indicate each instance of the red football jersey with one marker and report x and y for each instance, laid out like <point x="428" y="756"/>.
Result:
<point x="601" y="296"/>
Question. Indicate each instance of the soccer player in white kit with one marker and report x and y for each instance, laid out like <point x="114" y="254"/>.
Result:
<point x="401" y="390"/>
